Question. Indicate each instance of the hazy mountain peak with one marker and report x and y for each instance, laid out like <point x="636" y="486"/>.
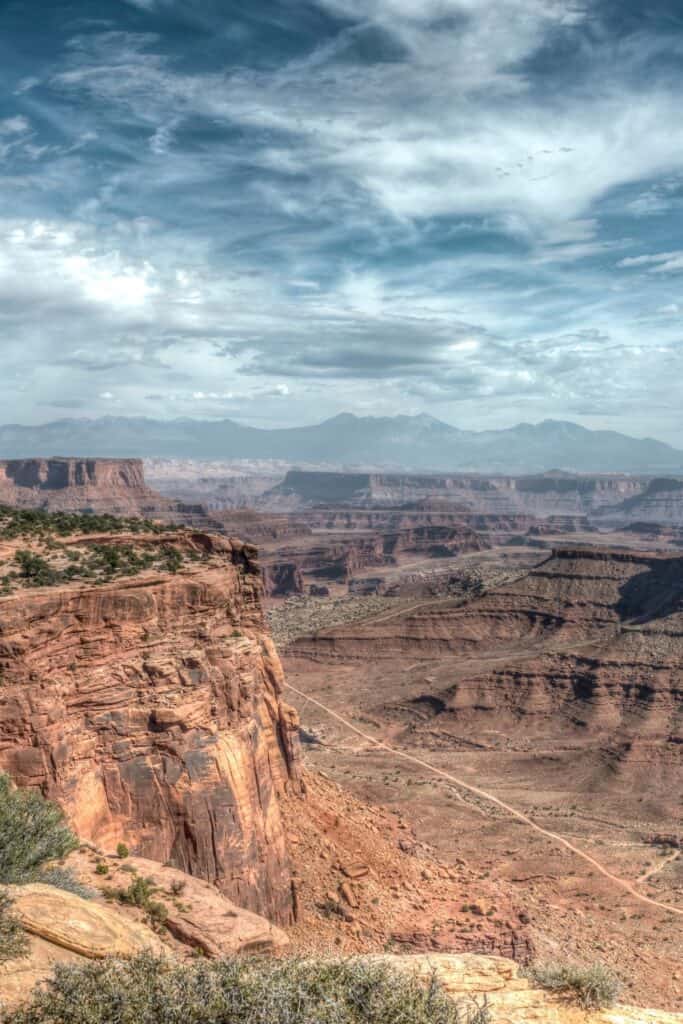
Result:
<point x="420" y="442"/>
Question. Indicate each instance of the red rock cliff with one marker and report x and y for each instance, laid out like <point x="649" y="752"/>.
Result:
<point x="150" y="709"/>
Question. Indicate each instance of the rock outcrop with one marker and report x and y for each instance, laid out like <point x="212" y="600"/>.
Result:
<point x="195" y="913"/>
<point x="81" y="926"/>
<point x="149" y="708"/>
<point x="65" y="929"/>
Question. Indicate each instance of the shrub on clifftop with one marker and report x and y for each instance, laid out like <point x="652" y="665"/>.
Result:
<point x="32" y="832"/>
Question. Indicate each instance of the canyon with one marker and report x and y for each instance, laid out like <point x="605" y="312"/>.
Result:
<point x="559" y="691"/>
<point x="523" y="644"/>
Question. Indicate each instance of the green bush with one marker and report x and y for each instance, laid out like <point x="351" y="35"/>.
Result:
<point x="138" y="893"/>
<point x="240" y="991"/>
<point x="35" y="570"/>
<point x="594" y="986"/>
<point x="13" y="941"/>
<point x="122" y="851"/>
<point x="32" y="832"/>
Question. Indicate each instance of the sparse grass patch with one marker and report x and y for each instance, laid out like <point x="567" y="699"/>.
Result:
<point x="64" y="878"/>
<point x="594" y="986"/>
<point x="241" y="991"/>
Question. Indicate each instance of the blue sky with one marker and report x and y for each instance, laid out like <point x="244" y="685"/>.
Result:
<point x="282" y="209"/>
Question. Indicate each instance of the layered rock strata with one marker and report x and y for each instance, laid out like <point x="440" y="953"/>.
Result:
<point x="149" y="708"/>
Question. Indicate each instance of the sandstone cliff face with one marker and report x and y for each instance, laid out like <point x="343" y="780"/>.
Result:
<point x="150" y="710"/>
<point x="116" y="486"/>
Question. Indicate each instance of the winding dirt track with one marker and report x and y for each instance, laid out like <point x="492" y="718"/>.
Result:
<point x="622" y="883"/>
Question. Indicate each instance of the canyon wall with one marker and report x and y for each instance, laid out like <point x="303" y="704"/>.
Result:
<point x="150" y="709"/>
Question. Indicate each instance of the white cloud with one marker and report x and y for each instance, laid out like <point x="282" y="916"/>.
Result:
<point x="16" y="125"/>
<point x="659" y="263"/>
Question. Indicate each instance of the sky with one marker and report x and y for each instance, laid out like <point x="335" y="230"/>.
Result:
<point x="279" y="210"/>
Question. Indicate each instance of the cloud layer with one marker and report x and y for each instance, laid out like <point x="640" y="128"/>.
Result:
<point x="277" y="212"/>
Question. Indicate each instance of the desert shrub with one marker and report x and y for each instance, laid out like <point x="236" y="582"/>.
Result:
<point x="64" y="878"/>
<point x="13" y="941"/>
<point x="158" y="912"/>
<point x="172" y="558"/>
<point x="240" y="991"/>
<point x="595" y="986"/>
<point x="122" y="851"/>
<point x="32" y="832"/>
<point x="138" y="893"/>
<point x="35" y="570"/>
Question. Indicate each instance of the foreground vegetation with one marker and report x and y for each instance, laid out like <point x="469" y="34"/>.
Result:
<point x="595" y="986"/>
<point x="241" y="991"/>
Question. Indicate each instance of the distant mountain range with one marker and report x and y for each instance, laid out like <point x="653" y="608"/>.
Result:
<point x="419" y="443"/>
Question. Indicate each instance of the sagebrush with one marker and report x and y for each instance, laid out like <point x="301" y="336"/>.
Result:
<point x="595" y="986"/>
<point x="64" y="878"/>
<point x="240" y="991"/>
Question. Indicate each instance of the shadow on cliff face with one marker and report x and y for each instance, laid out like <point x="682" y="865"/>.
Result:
<point x="654" y="593"/>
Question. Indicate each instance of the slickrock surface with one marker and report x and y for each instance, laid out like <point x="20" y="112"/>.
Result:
<point x="512" y="999"/>
<point x="82" y="926"/>
<point x="149" y="708"/>
<point x="64" y="929"/>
